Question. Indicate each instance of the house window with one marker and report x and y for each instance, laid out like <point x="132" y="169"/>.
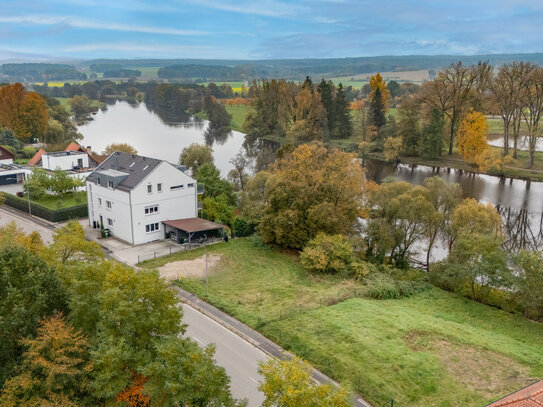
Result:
<point x="109" y="204"/>
<point x="110" y="222"/>
<point x="100" y="201"/>
<point x="110" y="184"/>
<point x="149" y="189"/>
<point x="191" y="185"/>
<point x="98" y="181"/>
<point x="153" y="227"/>
<point x="159" y="187"/>
<point x="176" y="187"/>
<point x="151" y="209"/>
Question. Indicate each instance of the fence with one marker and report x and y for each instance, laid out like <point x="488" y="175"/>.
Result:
<point x="52" y="215"/>
<point x="152" y="254"/>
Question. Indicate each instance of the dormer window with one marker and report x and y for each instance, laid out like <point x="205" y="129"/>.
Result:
<point x="149" y="189"/>
<point x="110" y="184"/>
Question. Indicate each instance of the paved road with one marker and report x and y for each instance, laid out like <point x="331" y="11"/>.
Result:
<point x="237" y="356"/>
<point x="28" y="225"/>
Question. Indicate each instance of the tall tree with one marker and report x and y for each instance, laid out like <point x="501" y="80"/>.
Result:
<point x="312" y="190"/>
<point x="196" y="155"/>
<point x="326" y="90"/>
<point x="451" y="91"/>
<point x="343" y="125"/>
<point x="532" y="97"/>
<point x="377" y="109"/>
<point x="431" y="143"/>
<point x="409" y="124"/>
<point x="309" y="118"/>
<point x="472" y="137"/>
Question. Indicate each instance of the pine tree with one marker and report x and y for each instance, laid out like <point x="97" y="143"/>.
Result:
<point x="432" y="135"/>
<point x="343" y="125"/>
<point x="377" y="110"/>
<point x="326" y="90"/>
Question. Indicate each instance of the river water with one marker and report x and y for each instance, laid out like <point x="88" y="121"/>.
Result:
<point x="519" y="202"/>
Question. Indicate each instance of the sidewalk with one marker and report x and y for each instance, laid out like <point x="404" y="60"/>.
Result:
<point x="252" y="336"/>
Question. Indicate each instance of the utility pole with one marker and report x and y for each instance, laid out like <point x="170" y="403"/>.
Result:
<point x="28" y="196"/>
<point x="205" y="248"/>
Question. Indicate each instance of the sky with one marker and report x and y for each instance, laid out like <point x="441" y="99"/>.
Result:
<point x="268" y="29"/>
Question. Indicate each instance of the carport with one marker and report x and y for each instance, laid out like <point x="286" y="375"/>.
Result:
<point x="191" y="230"/>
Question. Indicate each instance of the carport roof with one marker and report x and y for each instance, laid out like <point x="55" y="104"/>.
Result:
<point x="193" y="224"/>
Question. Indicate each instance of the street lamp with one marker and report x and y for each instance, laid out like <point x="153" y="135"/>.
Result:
<point x="28" y="196"/>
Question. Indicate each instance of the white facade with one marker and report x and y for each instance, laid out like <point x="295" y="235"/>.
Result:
<point x="6" y="161"/>
<point x="65" y="160"/>
<point x="135" y="215"/>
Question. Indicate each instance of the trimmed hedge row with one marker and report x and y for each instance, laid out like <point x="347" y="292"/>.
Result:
<point x="52" y="215"/>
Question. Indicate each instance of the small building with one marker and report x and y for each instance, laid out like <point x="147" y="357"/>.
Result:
<point x="133" y="195"/>
<point x="191" y="230"/>
<point x="65" y="160"/>
<point x="527" y="397"/>
<point x="6" y="156"/>
<point x="92" y="161"/>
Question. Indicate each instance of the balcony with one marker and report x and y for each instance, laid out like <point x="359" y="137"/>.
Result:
<point x="201" y="189"/>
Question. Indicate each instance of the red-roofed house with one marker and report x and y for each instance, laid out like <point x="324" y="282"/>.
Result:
<point x="530" y="396"/>
<point x="94" y="160"/>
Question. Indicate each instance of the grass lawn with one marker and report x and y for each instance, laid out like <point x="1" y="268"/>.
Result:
<point x="66" y="201"/>
<point x="238" y="112"/>
<point x="434" y="348"/>
<point x="148" y="71"/>
<point x="21" y="160"/>
<point x="66" y="104"/>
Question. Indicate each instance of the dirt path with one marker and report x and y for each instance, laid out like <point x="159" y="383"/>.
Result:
<point x="195" y="268"/>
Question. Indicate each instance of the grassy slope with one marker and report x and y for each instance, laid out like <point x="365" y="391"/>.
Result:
<point x="431" y="349"/>
<point x="238" y="113"/>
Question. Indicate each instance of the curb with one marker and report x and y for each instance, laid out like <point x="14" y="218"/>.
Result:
<point x="317" y="376"/>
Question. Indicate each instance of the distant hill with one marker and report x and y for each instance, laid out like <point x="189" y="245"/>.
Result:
<point x="41" y="72"/>
<point x="299" y="68"/>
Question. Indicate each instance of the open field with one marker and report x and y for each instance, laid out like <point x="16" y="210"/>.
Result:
<point x="357" y="81"/>
<point x="148" y="71"/>
<point x="238" y="112"/>
<point x="66" y="104"/>
<point x="431" y="349"/>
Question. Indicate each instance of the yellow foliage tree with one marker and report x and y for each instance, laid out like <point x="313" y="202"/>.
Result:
<point x="289" y="384"/>
<point x="472" y="134"/>
<point x="392" y="148"/>
<point x="376" y="81"/>
<point x="490" y="158"/>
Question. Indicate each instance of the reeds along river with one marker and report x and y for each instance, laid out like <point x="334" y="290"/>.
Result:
<point x="153" y="134"/>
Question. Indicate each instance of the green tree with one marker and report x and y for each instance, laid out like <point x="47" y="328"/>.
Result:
<point x="122" y="147"/>
<point x="210" y="177"/>
<point x="529" y="283"/>
<point x="377" y="110"/>
<point x="37" y="183"/>
<point x="409" y="124"/>
<point x="343" y="126"/>
<point x="196" y="155"/>
<point x="311" y="190"/>
<point x="183" y="374"/>
<point x="81" y="105"/>
<point x="238" y="175"/>
<point x="327" y="254"/>
<point x="55" y="370"/>
<point x="392" y="148"/>
<point x="431" y="142"/>
<point x="289" y="384"/>
<point x="473" y="218"/>
<point x="60" y="182"/>
<point x="476" y="265"/>
<point x="326" y="91"/>
<point x="29" y="291"/>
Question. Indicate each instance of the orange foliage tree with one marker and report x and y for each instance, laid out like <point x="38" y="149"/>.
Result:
<point x="133" y="395"/>
<point x="472" y="142"/>
<point x="23" y="112"/>
<point x="376" y="81"/>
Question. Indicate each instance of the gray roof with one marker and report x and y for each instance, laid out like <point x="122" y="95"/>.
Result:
<point x="136" y="167"/>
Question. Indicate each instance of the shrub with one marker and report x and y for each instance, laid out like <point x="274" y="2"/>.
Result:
<point x="29" y="152"/>
<point x="328" y="254"/>
<point x="241" y="227"/>
<point x="382" y="286"/>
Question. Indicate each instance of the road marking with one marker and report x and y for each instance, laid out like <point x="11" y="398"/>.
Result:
<point x="253" y="379"/>
<point x="198" y="340"/>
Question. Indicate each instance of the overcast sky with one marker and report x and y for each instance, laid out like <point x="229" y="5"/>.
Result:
<point x="246" y="29"/>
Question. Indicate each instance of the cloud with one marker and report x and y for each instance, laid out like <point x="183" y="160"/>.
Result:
<point x="76" y="22"/>
<point x="267" y="8"/>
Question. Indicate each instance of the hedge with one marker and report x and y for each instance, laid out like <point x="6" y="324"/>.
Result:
<point x="52" y="215"/>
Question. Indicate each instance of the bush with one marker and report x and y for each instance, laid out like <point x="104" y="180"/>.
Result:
<point x="328" y="254"/>
<point x="241" y="227"/>
<point x="29" y="152"/>
<point x="256" y="240"/>
<point x="382" y="286"/>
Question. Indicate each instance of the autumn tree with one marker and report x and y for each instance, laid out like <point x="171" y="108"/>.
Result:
<point x="377" y="109"/>
<point x="311" y="190"/>
<point x="23" y="112"/>
<point x="392" y="148"/>
<point x="532" y="101"/>
<point x="289" y="384"/>
<point x="29" y="291"/>
<point x="452" y="90"/>
<point x="196" y="155"/>
<point x="253" y="199"/>
<point x="55" y="369"/>
<point x="310" y="120"/>
<point x="327" y="254"/>
<point x="122" y="147"/>
<point x="472" y="137"/>
<point x="377" y="83"/>
<point x="471" y="217"/>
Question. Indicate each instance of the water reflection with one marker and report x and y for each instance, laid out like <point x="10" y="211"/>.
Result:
<point x="519" y="202"/>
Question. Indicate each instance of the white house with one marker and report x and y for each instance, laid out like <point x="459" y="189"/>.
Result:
<point x="65" y="160"/>
<point x="133" y="195"/>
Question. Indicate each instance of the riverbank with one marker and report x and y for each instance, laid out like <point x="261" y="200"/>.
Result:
<point x="428" y="349"/>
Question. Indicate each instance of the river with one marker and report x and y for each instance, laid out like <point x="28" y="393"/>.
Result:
<point x="519" y="202"/>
